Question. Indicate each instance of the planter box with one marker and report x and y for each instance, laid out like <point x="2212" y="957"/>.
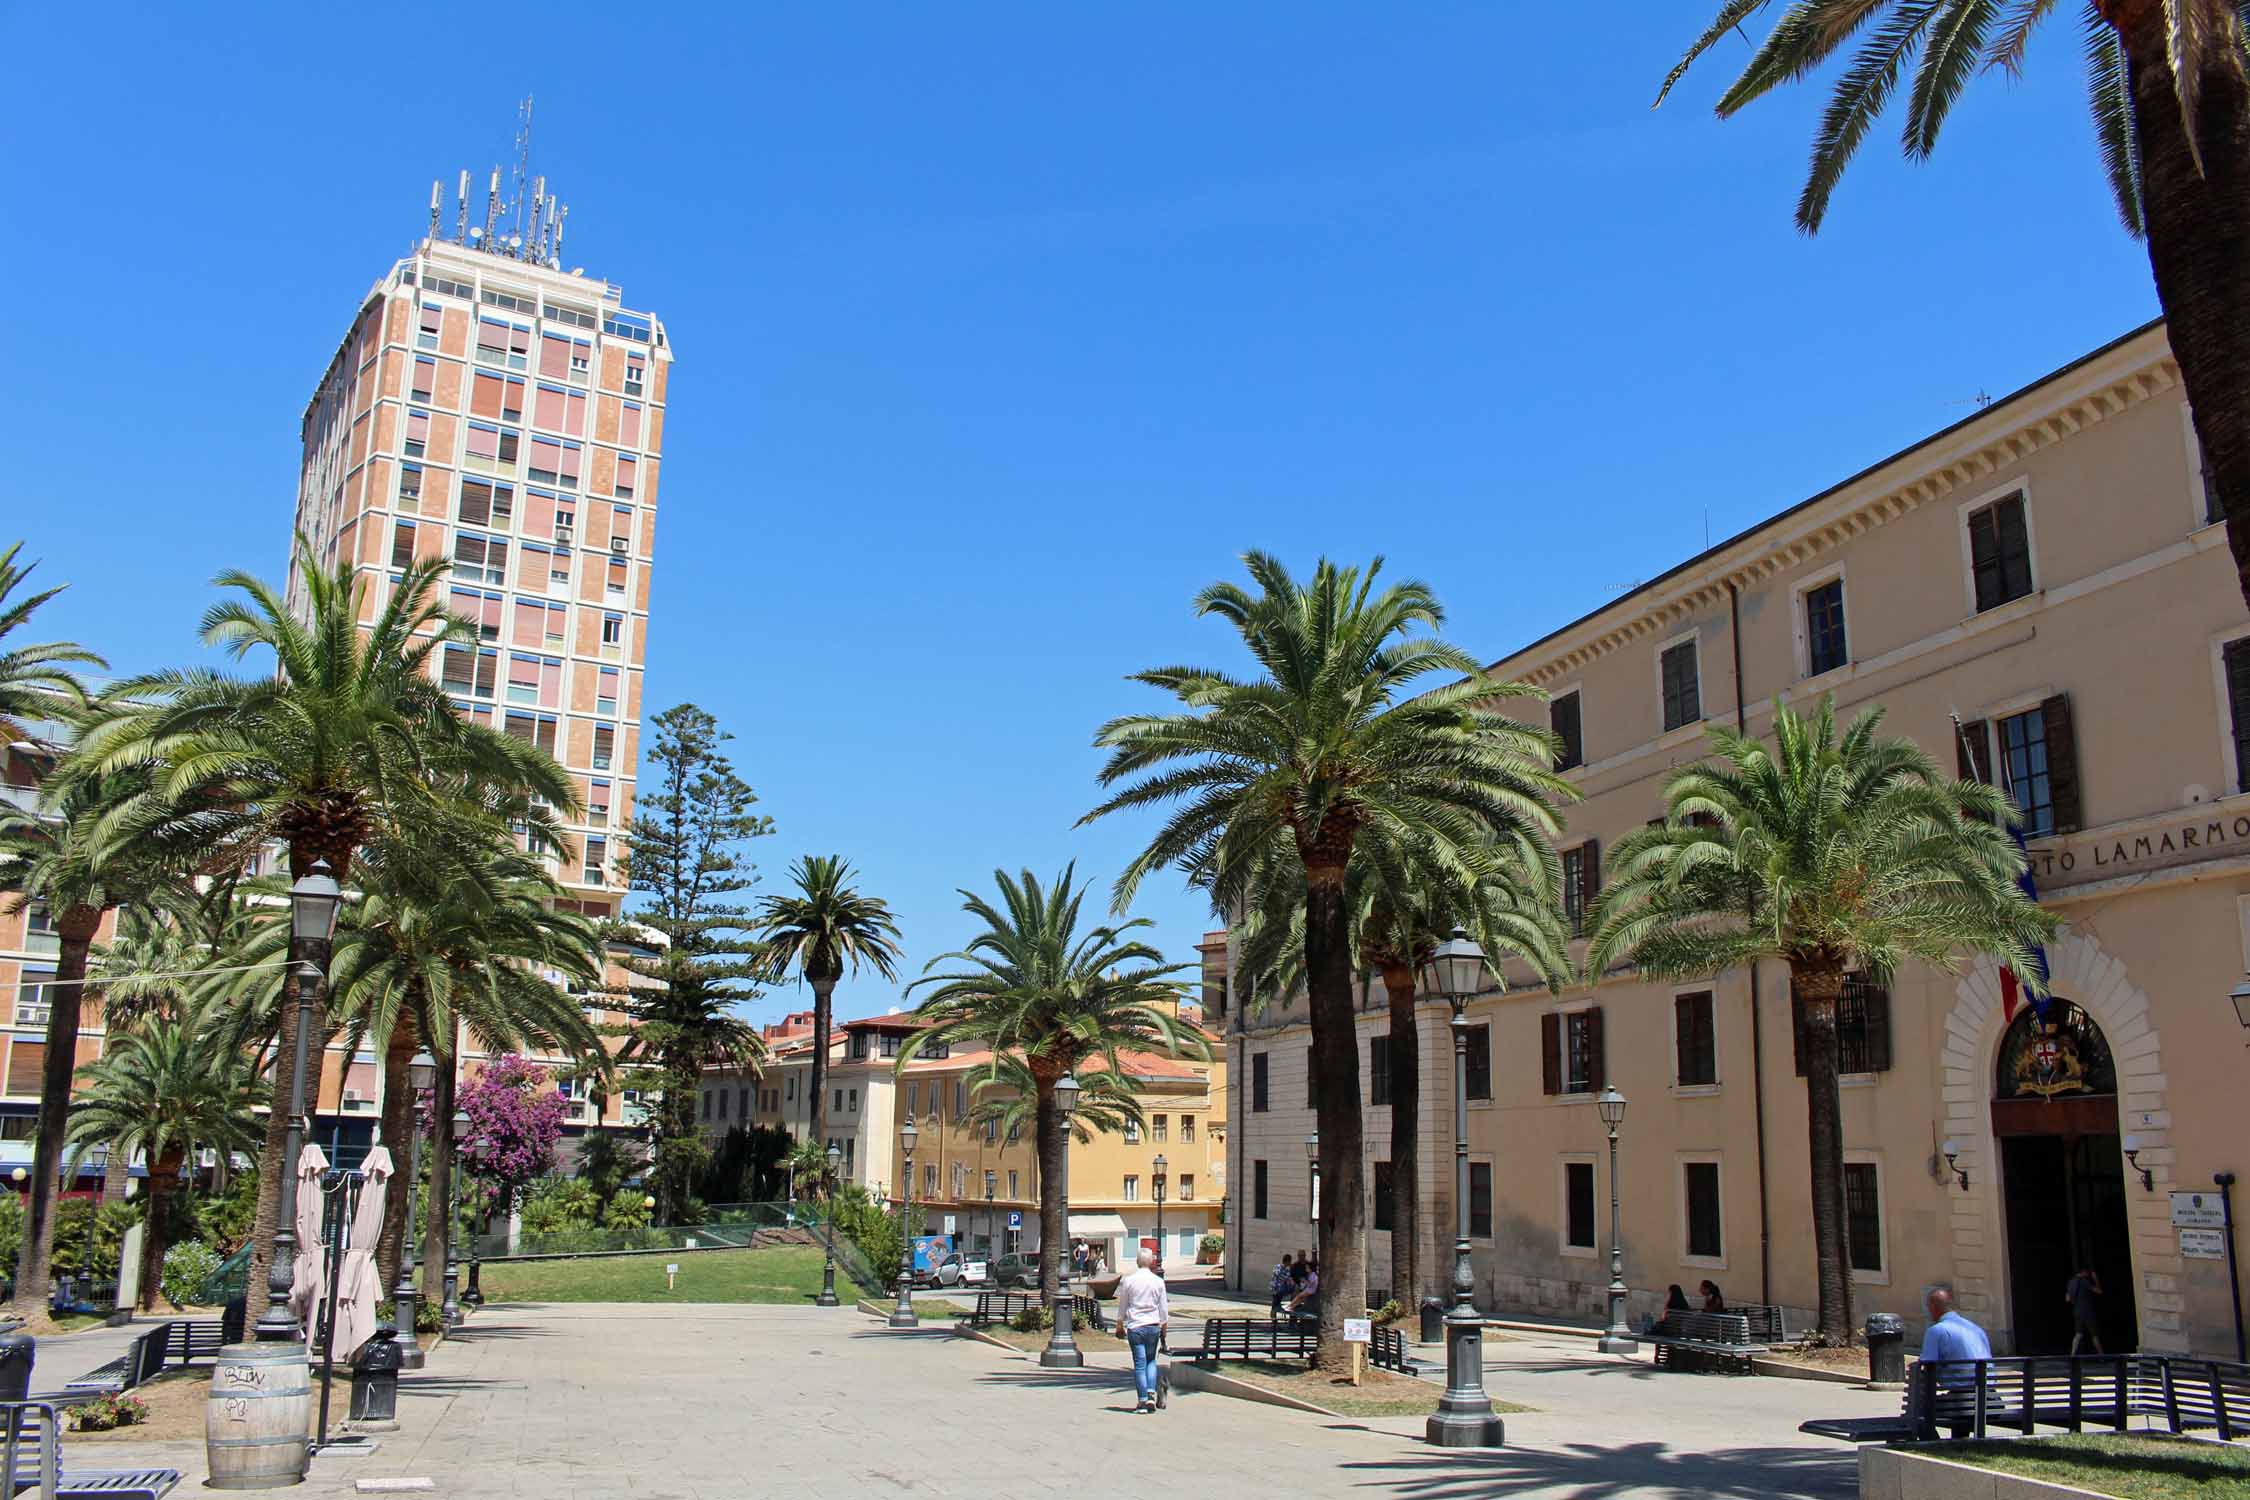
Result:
<point x="1907" y="1474"/>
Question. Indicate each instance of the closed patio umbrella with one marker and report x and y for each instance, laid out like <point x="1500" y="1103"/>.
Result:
<point x="358" y="1288"/>
<point x="306" y="1289"/>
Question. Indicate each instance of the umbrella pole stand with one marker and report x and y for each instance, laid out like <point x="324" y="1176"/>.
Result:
<point x="340" y="1192"/>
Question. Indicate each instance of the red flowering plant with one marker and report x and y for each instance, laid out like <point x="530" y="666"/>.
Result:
<point x="515" y="1119"/>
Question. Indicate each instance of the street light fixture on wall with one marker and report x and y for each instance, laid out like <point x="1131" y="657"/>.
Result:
<point x="313" y="902"/>
<point x="1062" y="1352"/>
<point x="902" y="1314"/>
<point x="1619" y="1340"/>
<point x="1952" y="1150"/>
<point x="1456" y="970"/>
<point x="2241" y="999"/>
<point x="2132" y="1147"/>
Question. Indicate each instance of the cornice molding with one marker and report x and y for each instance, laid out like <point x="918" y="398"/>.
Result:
<point x="1920" y="477"/>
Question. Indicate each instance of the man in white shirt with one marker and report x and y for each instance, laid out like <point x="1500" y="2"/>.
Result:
<point x="1143" y="1308"/>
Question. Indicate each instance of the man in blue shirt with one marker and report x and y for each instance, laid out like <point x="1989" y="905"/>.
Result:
<point x="1952" y="1336"/>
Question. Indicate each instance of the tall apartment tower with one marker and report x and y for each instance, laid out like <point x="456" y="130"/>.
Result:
<point x="508" y="417"/>
<point x="491" y="409"/>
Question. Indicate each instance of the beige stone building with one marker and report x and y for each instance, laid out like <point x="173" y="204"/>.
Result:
<point x="2049" y="571"/>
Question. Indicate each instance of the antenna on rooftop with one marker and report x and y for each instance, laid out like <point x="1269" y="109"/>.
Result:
<point x="525" y="225"/>
<point x="523" y="170"/>
<point x="461" y="224"/>
<point x="437" y="206"/>
<point x="491" y="208"/>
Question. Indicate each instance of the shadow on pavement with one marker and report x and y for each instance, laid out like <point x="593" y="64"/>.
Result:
<point x="1588" y="1471"/>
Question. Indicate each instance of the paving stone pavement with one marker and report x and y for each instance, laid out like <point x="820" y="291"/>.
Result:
<point x="700" y="1402"/>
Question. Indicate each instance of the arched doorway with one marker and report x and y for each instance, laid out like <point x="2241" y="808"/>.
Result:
<point x="2054" y="1112"/>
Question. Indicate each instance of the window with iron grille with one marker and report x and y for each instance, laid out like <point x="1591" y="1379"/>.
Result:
<point x="1478" y="1066"/>
<point x="1480" y="1200"/>
<point x="1258" y="1080"/>
<point x="1863" y="1216"/>
<point x="1683" y="697"/>
<point x="1578" y="1204"/>
<point x="1863" y="1027"/>
<point x="1824" y="628"/>
<point x="1257" y="1189"/>
<point x="1700" y="1184"/>
<point x="2000" y="552"/>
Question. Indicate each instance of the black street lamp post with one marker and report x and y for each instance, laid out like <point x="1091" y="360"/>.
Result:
<point x="1156" y="1183"/>
<point x="1464" y="1418"/>
<point x="451" y="1308"/>
<point x="1062" y="1352"/>
<point x="421" y="1075"/>
<point x="827" y="1297"/>
<point x="313" y="902"/>
<point x="902" y="1315"/>
<point x="1619" y="1339"/>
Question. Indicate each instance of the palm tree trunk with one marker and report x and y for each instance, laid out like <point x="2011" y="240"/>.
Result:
<point x="437" y="1232"/>
<point x="1817" y="993"/>
<point x="163" y="1173"/>
<point x="2198" y="220"/>
<point x="1343" y="1194"/>
<point x="397" y="1128"/>
<point x="818" y="1127"/>
<point x="1054" y="1211"/>
<point x="1406" y="1122"/>
<point x="74" y="930"/>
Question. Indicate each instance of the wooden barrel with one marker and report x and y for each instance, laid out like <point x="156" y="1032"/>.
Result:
<point x="259" y="1416"/>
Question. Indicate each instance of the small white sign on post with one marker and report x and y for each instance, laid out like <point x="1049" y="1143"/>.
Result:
<point x="949" y="1223"/>
<point x="1359" y="1330"/>
<point x="2197" y="1211"/>
<point x="2203" y="1244"/>
<point x="671" y="1275"/>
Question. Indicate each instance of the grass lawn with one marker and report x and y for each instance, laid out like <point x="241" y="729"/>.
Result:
<point x="1380" y="1394"/>
<point x="785" y="1273"/>
<point x="2131" y="1467"/>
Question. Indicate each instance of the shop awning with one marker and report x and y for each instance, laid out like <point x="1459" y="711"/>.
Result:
<point x="1097" y="1226"/>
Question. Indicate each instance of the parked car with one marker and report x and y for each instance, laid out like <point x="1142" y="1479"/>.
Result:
<point x="1016" y="1271"/>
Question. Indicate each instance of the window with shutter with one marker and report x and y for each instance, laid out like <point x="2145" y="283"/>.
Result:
<point x="1563" y="719"/>
<point x="1695" y="1040"/>
<point x="2000" y="552"/>
<point x="1972" y="752"/>
<point x="2026" y="770"/>
<point x="1479" y="1061"/>
<point x="1596" y="1051"/>
<point x="1550" y="1053"/>
<point x="1682" y="692"/>
<point x="1863" y="1027"/>
<point x="2062" y="764"/>
<point x="2237" y="662"/>
<point x="1581" y="882"/>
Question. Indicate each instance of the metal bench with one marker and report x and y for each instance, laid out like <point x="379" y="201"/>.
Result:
<point x="31" y="1462"/>
<point x="1976" y="1398"/>
<point x="187" y="1340"/>
<point x="1256" y="1338"/>
<point x="1000" y="1307"/>
<point x="1386" y="1350"/>
<point x="1701" y="1340"/>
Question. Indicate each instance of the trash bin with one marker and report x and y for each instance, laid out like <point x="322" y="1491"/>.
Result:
<point x="1886" y="1349"/>
<point x="1433" y="1320"/>
<point x="16" y="1352"/>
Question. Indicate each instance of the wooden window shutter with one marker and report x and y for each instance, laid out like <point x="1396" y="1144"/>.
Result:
<point x="1683" y="1034"/>
<point x="2062" y="764"/>
<point x="1972" y="752"/>
<point x="1590" y="877"/>
<point x="1550" y="1056"/>
<point x="2237" y="657"/>
<point x="1875" y="1011"/>
<point x="1797" y="1028"/>
<point x="1597" y="1061"/>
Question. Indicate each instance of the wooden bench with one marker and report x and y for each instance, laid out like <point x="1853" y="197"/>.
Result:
<point x="1000" y="1307"/>
<point x="1701" y="1341"/>
<point x="31" y="1462"/>
<point x="1978" y="1397"/>
<point x="1256" y="1338"/>
<point x="1386" y="1350"/>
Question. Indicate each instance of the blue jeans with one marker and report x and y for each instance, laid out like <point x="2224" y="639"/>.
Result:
<point x="1144" y="1342"/>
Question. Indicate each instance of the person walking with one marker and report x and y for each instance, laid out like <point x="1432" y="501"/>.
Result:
<point x="1143" y="1308"/>
<point x="1953" y="1337"/>
<point x="1283" y="1286"/>
<point x="2084" y="1294"/>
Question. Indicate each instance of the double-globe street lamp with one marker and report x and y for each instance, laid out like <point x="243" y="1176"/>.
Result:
<point x="1062" y="1352"/>
<point x="902" y="1314"/>
<point x="1456" y="970"/>
<point x="1619" y="1339"/>
<point x="313" y="902"/>
<point x="827" y="1297"/>
<point x="421" y="1076"/>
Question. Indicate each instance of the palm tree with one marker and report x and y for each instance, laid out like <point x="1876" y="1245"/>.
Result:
<point x="1834" y="855"/>
<point x="2169" y="81"/>
<point x="1323" y="746"/>
<point x="1033" y="986"/>
<point x="1004" y="1093"/>
<point x="164" y="1090"/>
<point x="50" y="854"/>
<point x="815" y="935"/>
<point x="35" y="679"/>
<point x="350" y="734"/>
<point x="1402" y="906"/>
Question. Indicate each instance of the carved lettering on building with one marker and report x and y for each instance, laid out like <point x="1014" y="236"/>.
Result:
<point x="2193" y="840"/>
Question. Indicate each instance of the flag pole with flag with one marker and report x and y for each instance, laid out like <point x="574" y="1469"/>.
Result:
<point x="2012" y="988"/>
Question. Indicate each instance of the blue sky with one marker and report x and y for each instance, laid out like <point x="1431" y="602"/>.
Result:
<point x="1003" y="329"/>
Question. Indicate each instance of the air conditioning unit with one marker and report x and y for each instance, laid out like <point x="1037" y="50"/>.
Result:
<point x="566" y="536"/>
<point x="620" y="545"/>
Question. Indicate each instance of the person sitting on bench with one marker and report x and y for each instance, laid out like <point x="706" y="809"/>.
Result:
<point x="1953" y="1336"/>
<point x="1305" y="1306"/>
